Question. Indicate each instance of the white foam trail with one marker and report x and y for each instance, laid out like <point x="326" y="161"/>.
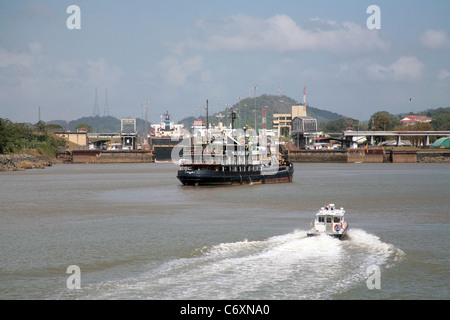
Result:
<point x="251" y="269"/>
<point x="290" y="266"/>
<point x="373" y="244"/>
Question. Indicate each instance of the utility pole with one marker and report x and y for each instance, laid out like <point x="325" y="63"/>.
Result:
<point x="106" y="109"/>
<point x="255" y="87"/>
<point x="207" y="121"/>
<point x="147" y="102"/>
<point x="96" y="112"/>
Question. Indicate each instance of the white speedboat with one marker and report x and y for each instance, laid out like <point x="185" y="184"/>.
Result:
<point x="329" y="221"/>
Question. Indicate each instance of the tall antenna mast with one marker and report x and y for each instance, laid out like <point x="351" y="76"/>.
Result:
<point x="146" y="116"/>
<point x="207" y="116"/>
<point x="96" y="112"/>
<point x="106" y="110"/>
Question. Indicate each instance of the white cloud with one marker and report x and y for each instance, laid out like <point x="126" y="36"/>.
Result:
<point x="100" y="73"/>
<point x="20" y="59"/>
<point x="68" y="69"/>
<point x="443" y="74"/>
<point x="176" y="70"/>
<point x="38" y="10"/>
<point x="435" y="39"/>
<point x="30" y="77"/>
<point x="405" y="68"/>
<point x="282" y="33"/>
<point x="34" y="65"/>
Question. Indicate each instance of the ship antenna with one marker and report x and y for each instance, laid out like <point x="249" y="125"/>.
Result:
<point x="207" y="122"/>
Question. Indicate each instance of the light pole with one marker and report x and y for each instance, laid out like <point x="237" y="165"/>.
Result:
<point x="245" y="145"/>
<point x="254" y="88"/>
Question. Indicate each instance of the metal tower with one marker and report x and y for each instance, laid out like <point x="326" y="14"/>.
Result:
<point x="146" y="117"/>
<point x="96" y="112"/>
<point x="106" y="110"/>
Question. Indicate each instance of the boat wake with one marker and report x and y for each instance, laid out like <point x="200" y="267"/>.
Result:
<point x="290" y="266"/>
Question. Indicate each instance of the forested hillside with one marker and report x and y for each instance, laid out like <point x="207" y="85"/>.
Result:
<point x="246" y="108"/>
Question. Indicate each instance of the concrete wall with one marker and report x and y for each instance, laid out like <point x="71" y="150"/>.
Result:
<point x="404" y="157"/>
<point x="111" y="156"/>
<point x="355" y="156"/>
<point x="367" y="156"/>
<point x="317" y="156"/>
<point x="342" y="156"/>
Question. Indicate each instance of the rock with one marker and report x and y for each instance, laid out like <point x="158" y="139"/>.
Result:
<point x="19" y="162"/>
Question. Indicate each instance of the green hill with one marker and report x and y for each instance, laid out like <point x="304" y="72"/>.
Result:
<point x="441" y="117"/>
<point x="99" y="124"/>
<point x="274" y="104"/>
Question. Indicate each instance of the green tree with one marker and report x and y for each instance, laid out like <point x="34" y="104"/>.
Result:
<point x="441" y="119"/>
<point x="17" y="137"/>
<point x="340" y="125"/>
<point x="41" y="127"/>
<point x="14" y="137"/>
<point x="84" y="125"/>
<point x="54" y="127"/>
<point x="383" y="121"/>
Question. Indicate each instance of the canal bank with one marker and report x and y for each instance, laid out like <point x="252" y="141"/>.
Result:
<point x="20" y="162"/>
<point x="108" y="156"/>
<point x="368" y="156"/>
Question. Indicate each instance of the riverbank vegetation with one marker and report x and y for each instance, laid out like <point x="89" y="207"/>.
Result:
<point x="22" y="138"/>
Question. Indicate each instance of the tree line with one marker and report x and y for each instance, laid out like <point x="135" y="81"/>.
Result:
<point x="385" y="121"/>
<point x="29" y="138"/>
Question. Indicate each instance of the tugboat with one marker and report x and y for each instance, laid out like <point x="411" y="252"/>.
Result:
<point x="230" y="158"/>
<point x="329" y="221"/>
<point x="214" y="174"/>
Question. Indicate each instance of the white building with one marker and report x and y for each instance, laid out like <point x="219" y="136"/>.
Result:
<point x="167" y="128"/>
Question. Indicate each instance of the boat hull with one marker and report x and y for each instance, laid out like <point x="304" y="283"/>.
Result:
<point x="213" y="177"/>
<point x="340" y="236"/>
<point x="334" y="235"/>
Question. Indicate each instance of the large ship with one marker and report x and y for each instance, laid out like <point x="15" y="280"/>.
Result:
<point x="233" y="158"/>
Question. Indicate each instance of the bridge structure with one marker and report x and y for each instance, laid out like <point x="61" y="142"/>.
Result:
<point x="349" y="135"/>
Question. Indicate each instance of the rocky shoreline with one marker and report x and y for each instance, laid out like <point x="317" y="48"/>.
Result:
<point x="20" y="162"/>
<point x="439" y="159"/>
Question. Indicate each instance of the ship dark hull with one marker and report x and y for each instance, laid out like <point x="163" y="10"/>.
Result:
<point x="218" y="177"/>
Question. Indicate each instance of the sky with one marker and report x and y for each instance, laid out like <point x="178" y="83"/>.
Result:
<point x="178" y="54"/>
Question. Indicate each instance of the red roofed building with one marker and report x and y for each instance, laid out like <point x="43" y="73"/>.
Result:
<point x="412" y="119"/>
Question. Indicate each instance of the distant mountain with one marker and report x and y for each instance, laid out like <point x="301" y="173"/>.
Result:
<point x="245" y="108"/>
<point x="99" y="124"/>
<point x="275" y="104"/>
